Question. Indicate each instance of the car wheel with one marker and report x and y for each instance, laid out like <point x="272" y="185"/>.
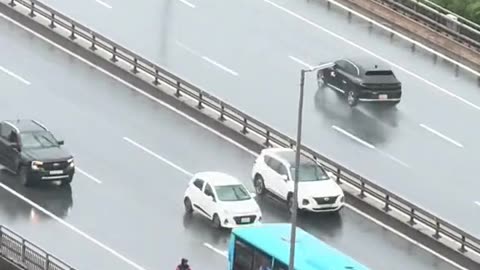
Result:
<point x="352" y="98"/>
<point x="259" y="185"/>
<point x="216" y="221"/>
<point x="188" y="205"/>
<point x="26" y="181"/>
<point x="290" y="203"/>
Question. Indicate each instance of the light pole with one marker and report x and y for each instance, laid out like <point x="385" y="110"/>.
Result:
<point x="293" y="232"/>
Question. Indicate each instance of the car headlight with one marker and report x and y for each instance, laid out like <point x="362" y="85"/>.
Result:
<point x="36" y="165"/>
<point x="71" y="163"/>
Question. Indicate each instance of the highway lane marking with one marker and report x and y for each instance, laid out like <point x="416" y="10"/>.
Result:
<point x="370" y="53"/>
<point x="351" y="136"/>
<point x="446" y="138"/>
<point x="303" y="63"/>
<point x="221" y="252"/>
<point x="103" y="4"/>
<point x="8" y="72"/>
<point x="73" y="228"/>
<point x="88" y="175"/>
<point x="206" y="58"/>
<point x="187" y="3"/>
<point x="133" y="87"/>
<point x="477" y="203"/>
<point x="171" y="164"/>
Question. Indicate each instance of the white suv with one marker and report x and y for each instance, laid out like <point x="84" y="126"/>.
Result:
<point x="222" y="199"/>
<point x="274" y="171"/>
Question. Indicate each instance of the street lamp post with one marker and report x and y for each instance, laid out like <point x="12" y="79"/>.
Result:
<point x="293" y="232"/>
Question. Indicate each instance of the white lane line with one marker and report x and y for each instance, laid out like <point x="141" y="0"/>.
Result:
<point x="221" y="252"/>
<point x="370" y="52"/>
<point x="394" y="158"/>
<point x="73" y="228"/>
<point x="187" y="48"/>
<point x="171" y="164"/>
<point x="187" y="3"/>
<point x="88" y="175"/>
<point x="300" y="61"/>
<point x="219" y="65"/>
<point x="344" y="132"/>
<point x="477" y="203"/>
<point x="103" y="4"/>
<point x="441" y="135"/>
<point x="14" y="75"/>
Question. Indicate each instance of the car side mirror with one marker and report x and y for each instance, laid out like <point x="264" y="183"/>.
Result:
<point x="60" y="142"/>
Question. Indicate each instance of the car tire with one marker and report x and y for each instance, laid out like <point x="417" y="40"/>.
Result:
<point x="216" y="222"/>
<point x="26" y="181"/>
<point x="259" y="185"/>
<point x="352" y="98"/>
<point x="290" y="203"/>
<point x="188" y="205"/>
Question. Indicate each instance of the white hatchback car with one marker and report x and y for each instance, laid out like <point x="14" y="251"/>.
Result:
<point x="223" y="199"/>
<point x="274" y="171"/>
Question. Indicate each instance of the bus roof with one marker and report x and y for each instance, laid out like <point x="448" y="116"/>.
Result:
<point x="310" y="253"/>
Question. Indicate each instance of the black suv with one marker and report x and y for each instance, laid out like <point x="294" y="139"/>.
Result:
<point x="362" y="80"/>
<point x="29" y="149"/>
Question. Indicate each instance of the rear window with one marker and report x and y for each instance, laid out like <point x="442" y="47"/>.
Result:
<point x="379" y="73"/>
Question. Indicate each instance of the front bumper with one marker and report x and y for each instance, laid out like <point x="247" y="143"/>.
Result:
<point x="239" y="220"/>
<point x="51" y="175"/>
<point x="313" y="206"/>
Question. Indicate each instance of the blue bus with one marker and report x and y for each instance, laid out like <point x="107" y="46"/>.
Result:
<point x="269" y="245"/>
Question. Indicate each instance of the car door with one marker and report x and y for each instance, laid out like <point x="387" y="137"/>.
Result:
<point x="3" y="141"/>
<point x="276" y="179"/>
<point x="209" y="200"/>
<point x="283" y="183"/>
<point x="331" y="75"/>
<point x="347" y="74"/>
<point x="196" y="193"/>
<point x="9" y="155"/>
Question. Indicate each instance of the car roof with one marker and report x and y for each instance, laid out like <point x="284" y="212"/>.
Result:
<point x="287" y="155"/>
<point x="367" y="63"/>
<point x="26" y="125"/>
<point x="217" y="178"/>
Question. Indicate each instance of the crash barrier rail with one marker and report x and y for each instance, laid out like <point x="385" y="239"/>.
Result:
<point x="414" y="44"/>
<point x="27" y="255"/>
<point x="458" y="28"/>
<point x="443" y="231"/>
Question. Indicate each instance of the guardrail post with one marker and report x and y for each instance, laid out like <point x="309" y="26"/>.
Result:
<point x="222" y="112"/>
<point x="47" y="261"/>
<point x="93" y="48"/>
<point x="267" y="139"/>
<point x="436" y="235"/>
<point x="339" y="181"/>
<point x="32" y="10"/>
<point x="177" y="93"/>
<point x="135" y="63"/>
<point x="52" y="20"/>
<point x="245" y="124"/>
<point x="362" y="191"/>
<point x="155" y="81"/>
<point x="462" y="248"/>
<point x="200" y="99"/>
<point x="114" y="55"/>
<point x="387" y="203"/>
<point x="292" y="143"/>
<point x="412" y="217"/>
<point x="22" y="254"/>
<point x="12" y="3"/>
<point x="72" y="35"/>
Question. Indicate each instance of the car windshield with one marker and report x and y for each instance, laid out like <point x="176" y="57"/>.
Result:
<point x="40" y="139"/>
<point x="310" y="172"/>
<point x="232" y="193"/>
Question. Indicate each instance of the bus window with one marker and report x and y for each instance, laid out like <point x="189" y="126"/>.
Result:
<point x="278" y="265"/>
<point x="243" y="256"/>
<point x="262" y="261"/>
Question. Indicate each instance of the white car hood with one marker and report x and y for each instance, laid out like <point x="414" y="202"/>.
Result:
<point x="241" y="207"/>
<point x="325" y="188"/>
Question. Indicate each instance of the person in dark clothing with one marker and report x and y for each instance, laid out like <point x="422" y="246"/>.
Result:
<point x="184" y="265"/>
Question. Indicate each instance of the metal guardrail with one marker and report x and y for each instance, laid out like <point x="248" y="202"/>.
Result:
<point x="460" y="29"/>
<point x="415" y="216"/>
<point x="27" y="255"/>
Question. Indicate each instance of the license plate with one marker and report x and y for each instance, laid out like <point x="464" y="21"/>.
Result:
<point x="245" y="220"/>
<point x="56" y="172"/>
<point x="384" y="96"/>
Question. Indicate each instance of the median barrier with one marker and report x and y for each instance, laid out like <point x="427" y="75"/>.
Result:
<point x="19" y="253"/>
<point x="63" y="28"/>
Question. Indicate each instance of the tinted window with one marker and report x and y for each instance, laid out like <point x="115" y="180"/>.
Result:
<point x="379" y="73"/>
<point x="208" y="190"/>
<point x="232" y="193"/>
<point x="310" y="171"/>
<point x="261" y="260"/>
<point x="41" y="139"/>
<point x="5" y="130"/>
<point x="198" y="183"/>
<point x="278" y="265"/>
<point x="243" y="259"/>
<point x="273" y="163"/>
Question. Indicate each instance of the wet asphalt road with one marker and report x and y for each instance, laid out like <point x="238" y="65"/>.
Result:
<point x="253" y="64"/>
<point x="125" y="204"/>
